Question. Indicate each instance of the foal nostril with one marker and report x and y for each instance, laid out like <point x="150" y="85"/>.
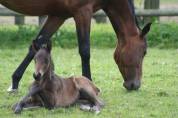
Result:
<point x="37" y="77"/>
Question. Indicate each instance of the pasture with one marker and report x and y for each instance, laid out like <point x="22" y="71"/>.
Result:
<point x="157" y="97"/>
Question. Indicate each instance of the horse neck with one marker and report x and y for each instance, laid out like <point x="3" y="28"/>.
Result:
<point x="122" y="18"/>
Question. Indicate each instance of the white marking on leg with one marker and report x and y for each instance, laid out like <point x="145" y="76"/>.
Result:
<point x="11" y="90"/>
<point x="85" y="107"/>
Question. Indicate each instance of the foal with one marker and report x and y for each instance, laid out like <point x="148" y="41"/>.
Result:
<point x="51" y="91"/>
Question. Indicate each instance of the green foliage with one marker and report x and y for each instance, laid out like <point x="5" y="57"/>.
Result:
<point x="168" y="1"/>
<point x="157" y="97"/>
<point x="102" y="35"/>
<point x="164" y="36"/>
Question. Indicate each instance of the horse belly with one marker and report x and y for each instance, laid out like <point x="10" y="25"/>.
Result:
<point x="28" y="7"/>
<point x="66" y="8"/>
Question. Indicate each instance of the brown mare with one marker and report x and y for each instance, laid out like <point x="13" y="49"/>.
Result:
<point x="51" y="91"/>
<point x="131" y="46"/>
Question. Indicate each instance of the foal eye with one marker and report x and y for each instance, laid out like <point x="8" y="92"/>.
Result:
<point x="46" y="60"/>
<point x="145" y="52"/>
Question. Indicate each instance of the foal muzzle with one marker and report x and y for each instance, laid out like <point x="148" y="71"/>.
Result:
<point x="37" y="77"/>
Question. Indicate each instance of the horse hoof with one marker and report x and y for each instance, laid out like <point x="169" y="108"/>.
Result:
<point x="11" y="90"/>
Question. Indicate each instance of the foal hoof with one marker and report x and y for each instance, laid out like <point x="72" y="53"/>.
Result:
<point x="11" y="90"/>
<point x="85" y="107"/>
<point x="14" y="106"/>
<point x="95" y="109"/>
<point x="17" y="110"/>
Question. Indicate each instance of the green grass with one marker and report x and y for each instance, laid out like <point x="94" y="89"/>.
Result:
<point x="162" y="35"/>
<point x="157" y="98"/>
<point x="168" y="1"/>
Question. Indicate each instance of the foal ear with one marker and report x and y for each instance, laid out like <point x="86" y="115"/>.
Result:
<point x="146" y="29"/>
<point x="49" y="46"/>
<point x="34" y="47"/>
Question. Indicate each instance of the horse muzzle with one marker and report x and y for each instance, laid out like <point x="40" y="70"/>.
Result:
<point x="132" y="84"/>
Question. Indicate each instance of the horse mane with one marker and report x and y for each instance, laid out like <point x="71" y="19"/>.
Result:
<point x="132" y="8"/>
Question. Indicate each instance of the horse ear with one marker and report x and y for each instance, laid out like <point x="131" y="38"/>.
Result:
<point x="146" y="29"/>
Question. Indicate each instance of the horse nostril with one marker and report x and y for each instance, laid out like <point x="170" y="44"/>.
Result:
<point x="135" y="86"/>
<point x="131" y="85"/>
<point x="127" y="86"/>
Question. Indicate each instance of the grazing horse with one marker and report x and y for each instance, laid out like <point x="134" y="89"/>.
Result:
<point x="51" y="91"/>
<point x="131" y="46"/>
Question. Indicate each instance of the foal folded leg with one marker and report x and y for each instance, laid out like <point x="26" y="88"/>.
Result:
<point x="45" y="98"/>
<point x="49" y="28"/>
<point x="83" y="22"/>
<point x="32" y="102"/>
<point x="91" y="92"/>
<point x="26" y="101"/>
<point x="95" y="103"/>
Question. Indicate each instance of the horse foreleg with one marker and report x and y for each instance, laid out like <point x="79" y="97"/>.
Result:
<point x="83" y="22"/>
<point x="49" y="28"/>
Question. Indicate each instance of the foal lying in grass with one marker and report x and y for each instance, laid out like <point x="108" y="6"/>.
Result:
<point x="51" y="91"/>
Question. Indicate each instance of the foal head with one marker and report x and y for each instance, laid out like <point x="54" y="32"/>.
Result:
<point x="129" y="56"/>
<point x="42" y="61"/>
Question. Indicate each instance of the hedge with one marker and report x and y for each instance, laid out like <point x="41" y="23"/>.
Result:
<point x="102" y="35"/>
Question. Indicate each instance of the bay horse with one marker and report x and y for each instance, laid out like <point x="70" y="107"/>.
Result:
<point x="51" y="91"/>
<point x="131" y="46"/>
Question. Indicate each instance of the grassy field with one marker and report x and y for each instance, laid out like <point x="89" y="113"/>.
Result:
<point x="168" y="1"/>
<point x="157" y="98"/>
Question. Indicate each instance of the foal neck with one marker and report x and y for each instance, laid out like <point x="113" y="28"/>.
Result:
<point x="48" y="75"/>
